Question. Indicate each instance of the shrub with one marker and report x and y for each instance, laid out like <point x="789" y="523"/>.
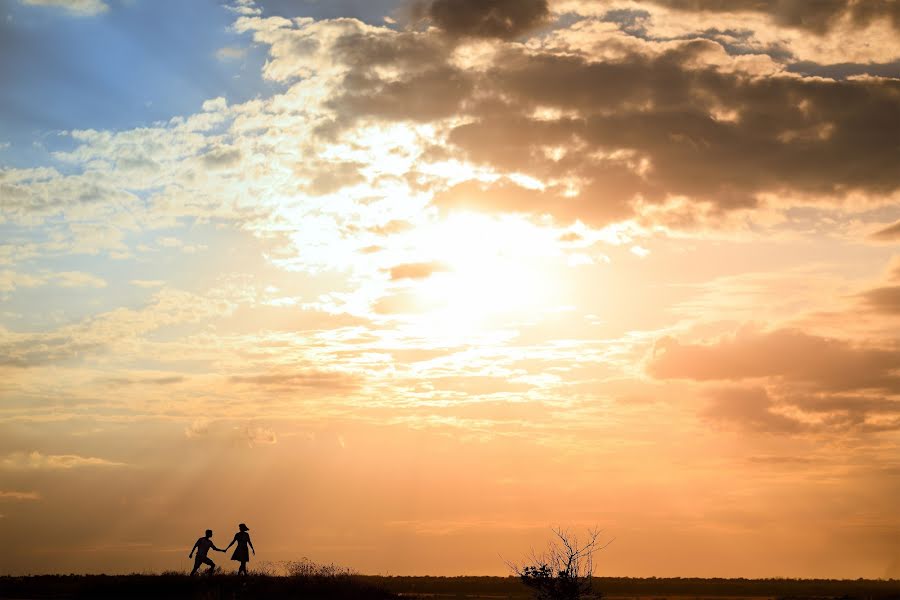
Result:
<point x="565" y="570"/>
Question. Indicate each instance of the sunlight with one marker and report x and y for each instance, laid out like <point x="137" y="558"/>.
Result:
<point x="491" y="271"/>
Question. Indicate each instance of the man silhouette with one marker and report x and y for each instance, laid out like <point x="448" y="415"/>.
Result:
<point x="202" y="547"/>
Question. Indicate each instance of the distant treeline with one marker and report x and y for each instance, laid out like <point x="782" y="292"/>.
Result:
<point x="654" y="587"/>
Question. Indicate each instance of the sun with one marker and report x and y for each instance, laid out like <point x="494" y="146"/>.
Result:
<point x="489" y="271"/>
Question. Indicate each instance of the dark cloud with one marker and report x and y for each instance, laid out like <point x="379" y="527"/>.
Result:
<point x="426" y="96"/>
<point x="889" y="233"/>
<point x="884" y="299"/>
<point x="812" y="136"/>
<point x="853" y="407"/>
<point x="43" y="350"/>
<point x="788" y="355"/>
<point x="222" y="157"/>
<point x="409" y="52"/>
<point x="780" y="460"/>
<point x="312" y="379"/>
<point x="818" y="16"/>
<point x="755" y="409"/>
<point x="640" y="128"/>
<point x="504" y="19"/>
<point x="167" y="380"/>
<point x="750" y="409"/>
<point x="329" y="178"/>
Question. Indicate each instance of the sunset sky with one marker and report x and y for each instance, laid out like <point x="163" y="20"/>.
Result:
<point x="404" y="284"/>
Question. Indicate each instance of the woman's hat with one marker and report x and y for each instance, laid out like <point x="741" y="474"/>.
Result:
<point x="243" y="527"/>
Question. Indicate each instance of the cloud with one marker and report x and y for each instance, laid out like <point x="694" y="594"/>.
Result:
<point x="118" y="328"/>
<point x="331" y="177"/>
<point x="78" y="8"/>
<point x="148" y="283"/>
<point x="757" y="409"/>
<point x="35" y="461"/>
<point x="198" y="428"/>
<point x="230" y="53"/>
<point x="12" y="280"/>
<point x="788" y="382"/>
<point x="392" y="227"/>
<point x="251" y="435"/>
<point x="673" y="146"/>
<point x="244" y="7"/>
<point x="749" y="409"/>
<point x="415" y="270"/>
<point x="222" y="157"/>
<point x="888" y="234"/>
<point x="610" y="136"/>
<point x="812" y="36"/>
<point x="324" y="380"/>
<point x="162" y="381"/>
<point x="432" y="94"/>
<point x="4" y="495"/>
<point x="33" y="194"/>
<point x="787" y="354"/>
<point x="71" y="279"/>
<point x="504" y="19"/>
<point x="816" y="17"/>
<point x="259" y="436"/>
<point x="884" y="299"/>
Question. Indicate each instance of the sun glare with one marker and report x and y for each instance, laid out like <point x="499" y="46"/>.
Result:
<point x="489" y="271"/>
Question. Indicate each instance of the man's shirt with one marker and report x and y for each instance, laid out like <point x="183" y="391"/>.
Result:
<point x="203" y="546"/>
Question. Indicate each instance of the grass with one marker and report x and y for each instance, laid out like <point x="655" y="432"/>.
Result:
<point x="299" y="580"/>
<point x="307" y="580"/>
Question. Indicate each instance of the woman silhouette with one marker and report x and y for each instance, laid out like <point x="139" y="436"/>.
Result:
<point x="242" y="539"/>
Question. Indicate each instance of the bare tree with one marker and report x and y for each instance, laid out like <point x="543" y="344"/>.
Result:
<point x="565" y="570"/>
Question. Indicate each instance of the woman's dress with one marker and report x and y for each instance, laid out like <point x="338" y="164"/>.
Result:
<point x="241" y="551"/>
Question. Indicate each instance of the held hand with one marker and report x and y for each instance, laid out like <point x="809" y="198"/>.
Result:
<point x="191" y="555"/>
<point x="254" y="552"/>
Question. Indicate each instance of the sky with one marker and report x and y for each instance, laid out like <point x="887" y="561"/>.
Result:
<point x="403" y="285"/>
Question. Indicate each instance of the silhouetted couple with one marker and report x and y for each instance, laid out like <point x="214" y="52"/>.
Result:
<point x="241" y="553"/>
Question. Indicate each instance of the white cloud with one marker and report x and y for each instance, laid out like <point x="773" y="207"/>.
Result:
<point x="148" y="283"/>
<point x="230" y="53"/>
<point x="216" y="104"/>
<point x="78" y="279"/>
<point x="12" y="280"/>
<point x="244" y="7"/>
<point x="35" y="461"/>
<point x="78" y="8"/>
